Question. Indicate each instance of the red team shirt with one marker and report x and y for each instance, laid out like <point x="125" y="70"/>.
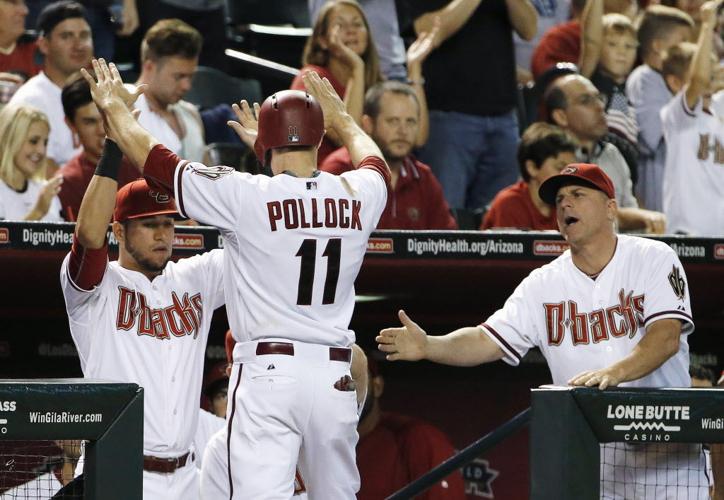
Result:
<point x="21" y="60"/>
<point x="513" y="207"/>
<point x="416" y="202"/>
<point x="399" y="450"/>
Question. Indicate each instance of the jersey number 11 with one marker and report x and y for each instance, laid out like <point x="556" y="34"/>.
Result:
<point x="308" y="254"/>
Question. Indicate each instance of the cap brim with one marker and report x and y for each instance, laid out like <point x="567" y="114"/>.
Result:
<point x="549" y="189"/>
<point x="174" y="213"/>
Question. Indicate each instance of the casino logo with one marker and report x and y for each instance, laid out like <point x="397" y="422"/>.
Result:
<point x="380" y="245"/>
<point x="4" y="235"/>
<point x="648" y="423"/>
<point x="188" y="241"/>
<point x="551" y="248"/>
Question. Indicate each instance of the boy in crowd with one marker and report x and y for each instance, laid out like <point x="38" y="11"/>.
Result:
<point x="693" y="197"/>
<point x="544" y="150"/>
<point x="660" y="29"/>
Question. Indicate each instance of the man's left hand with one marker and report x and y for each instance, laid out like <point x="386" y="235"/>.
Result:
<point x="606" y="377"/>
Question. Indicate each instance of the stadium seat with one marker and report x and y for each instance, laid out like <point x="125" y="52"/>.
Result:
<point x="211" y="87"/>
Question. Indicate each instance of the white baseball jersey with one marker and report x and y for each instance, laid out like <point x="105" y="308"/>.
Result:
<point x="152" y="333"/>
<point x="293" y="246"/>
<point x="208" y="425"/>
<point x="583" y="324"/>
<point x="693" y="198"/>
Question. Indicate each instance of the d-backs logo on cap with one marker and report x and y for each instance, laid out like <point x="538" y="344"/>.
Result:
<point x="293" y="135"/>
<point x="159" y="197"/>
<point x="569" y="170"/>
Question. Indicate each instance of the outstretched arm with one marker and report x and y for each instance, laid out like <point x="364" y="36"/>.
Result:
<point x="467" y="346"/>
<point x="659" y="344"/>
<point x="698" y="80"/>
<point x="336" y="118"/>
<point x="113" y="100"/>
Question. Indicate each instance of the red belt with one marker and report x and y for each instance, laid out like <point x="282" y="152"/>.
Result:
<point x="287" y="349"/>
<point x="165" y="465"/>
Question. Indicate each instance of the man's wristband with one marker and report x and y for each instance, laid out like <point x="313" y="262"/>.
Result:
<point x="110" y="160"/>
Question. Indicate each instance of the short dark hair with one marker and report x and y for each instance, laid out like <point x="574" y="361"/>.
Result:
<point x="171" y="37"/>
<point x="541" y="141"/>
<point x="553" y="99"/>
<point x="75" y="94"/>
<point x="702" y="373"/>
<point x="656" y="22"/>
<point x="374" y="96"/>
<point x="55" y="13"/>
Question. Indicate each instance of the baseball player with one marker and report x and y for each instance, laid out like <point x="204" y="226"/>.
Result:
<point x="294" y="244"/>
<point x="612" y="310"/>
<point x="143" y="319"/>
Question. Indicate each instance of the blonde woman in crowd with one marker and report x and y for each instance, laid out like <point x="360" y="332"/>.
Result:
<point x="24" y="192"/>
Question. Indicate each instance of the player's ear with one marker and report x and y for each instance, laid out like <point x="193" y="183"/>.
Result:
<point x="378" y="386"/>
<point x="367" y="124"/>
<point x="118" y="231"/>
<point x="611" y="210"/>
<point x="559" y="117"/>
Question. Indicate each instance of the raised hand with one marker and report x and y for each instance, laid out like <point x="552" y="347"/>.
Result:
<point x="332" y="106"/>
<point x="709" y="12"/>
<point x="247" y="125"/>
<point x="109" y="88"/>
<point x="424" y="44"/>
<point x="46" y="195"/>
<point x="408" y="342"/>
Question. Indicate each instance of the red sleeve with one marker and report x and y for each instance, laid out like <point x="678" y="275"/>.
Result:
<point x="87" y="266"/>
<point x="440" y="216"/>
<point x="378" y="165"/>
<point x="427" y="447"/>
<point x="160" y="167"/>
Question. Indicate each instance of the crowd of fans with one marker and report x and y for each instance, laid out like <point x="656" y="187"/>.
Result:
<point x="636" y="89"/>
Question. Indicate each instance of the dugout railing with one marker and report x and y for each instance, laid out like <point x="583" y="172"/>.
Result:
<point x="568" y="425"/>
<point x="108" y="417"/>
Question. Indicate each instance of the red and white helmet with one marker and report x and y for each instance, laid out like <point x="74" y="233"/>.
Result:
<point x="288" y="118"/>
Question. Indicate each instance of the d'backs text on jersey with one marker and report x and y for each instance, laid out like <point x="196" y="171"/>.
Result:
<point x="619" y="320"/>
<point x="181" y="318"/>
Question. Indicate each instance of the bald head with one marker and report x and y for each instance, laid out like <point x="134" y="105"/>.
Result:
<point x="576" y="105"/>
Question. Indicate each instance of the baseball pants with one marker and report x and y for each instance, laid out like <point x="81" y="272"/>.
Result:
<point x="284" y="409"/>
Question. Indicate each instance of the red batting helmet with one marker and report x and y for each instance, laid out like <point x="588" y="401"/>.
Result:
<point x="288" y="118"/>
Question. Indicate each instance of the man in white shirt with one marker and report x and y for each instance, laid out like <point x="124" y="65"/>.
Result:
<point x="67" y="45"/>
<point x="169" y="57"/>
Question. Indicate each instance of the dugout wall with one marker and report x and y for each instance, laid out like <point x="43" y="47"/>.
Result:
<point x="568" y="424"/>
<point x="108" y="416"/>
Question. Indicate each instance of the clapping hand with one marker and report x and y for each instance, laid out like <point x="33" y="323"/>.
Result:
<point x="247" y="125"/>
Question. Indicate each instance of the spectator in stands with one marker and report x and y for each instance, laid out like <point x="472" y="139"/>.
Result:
<point x="544" y="150"/>
<point x="575" y="104"/>
<point x="341" y="50"/>
<point x="618" y="55"/>
<point x="86" y="123"/>
<point x="693" y="198"/>
<point x="65" y="41"/>
<point x="576" y="41"/>
<point x="206" y="16"/>
<point x="24" y="192"/>
<point x="169" y="56"/>
<point x="471" y="87"/>
<point x="660" y="28"/>
<point x="395" y="449"/>
<point x="415" y="199"/>
<point x="382" y="17"/>
<point x="551" y="13"/>
<point x="17" y="53"/>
